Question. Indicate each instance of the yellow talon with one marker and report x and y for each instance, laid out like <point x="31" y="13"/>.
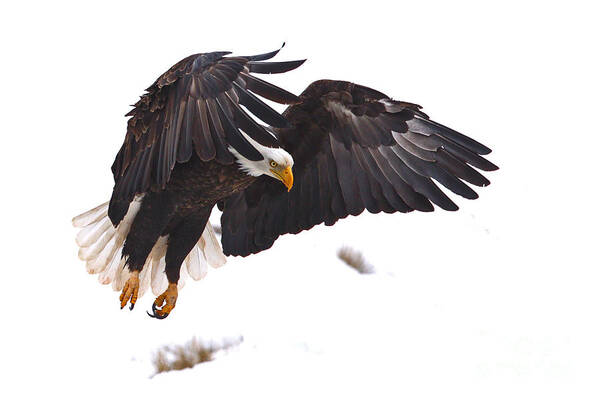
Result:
<point x="168" y="298"/>
<point x="130" y="290"/>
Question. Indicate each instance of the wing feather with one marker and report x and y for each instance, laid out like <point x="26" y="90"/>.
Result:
<point x="354" y="148"/>
<point x="193" y="108"/>
<point x="265" y="56"/>
<point x="259" y="108"/>
<point x="348" y="185"/>
<point x="205" y="146"/>
<point x="273" y="67"/>
<point x="269" y="91"/>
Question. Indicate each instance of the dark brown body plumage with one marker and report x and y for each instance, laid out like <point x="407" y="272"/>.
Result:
<point x="181" y="210"/>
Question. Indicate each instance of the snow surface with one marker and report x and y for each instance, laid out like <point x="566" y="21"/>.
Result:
<point x="498" y="300"/>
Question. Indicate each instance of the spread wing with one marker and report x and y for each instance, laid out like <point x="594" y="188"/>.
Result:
<point x="354" y="149"/>
<point x="194" y="107"/>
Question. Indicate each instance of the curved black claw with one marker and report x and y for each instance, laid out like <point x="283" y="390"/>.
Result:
<point x="131" y="306"/>
<point x="154" y="314"/>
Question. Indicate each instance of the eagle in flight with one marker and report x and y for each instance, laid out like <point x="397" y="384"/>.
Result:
<point x="193" y="141"/>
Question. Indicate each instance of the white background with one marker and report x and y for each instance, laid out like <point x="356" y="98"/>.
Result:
<point x="498" y="300"/>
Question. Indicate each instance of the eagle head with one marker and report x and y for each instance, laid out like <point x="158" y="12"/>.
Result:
<point x="276" y="163"/>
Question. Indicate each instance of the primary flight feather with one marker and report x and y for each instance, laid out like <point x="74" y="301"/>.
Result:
<point x="191" y="144"/>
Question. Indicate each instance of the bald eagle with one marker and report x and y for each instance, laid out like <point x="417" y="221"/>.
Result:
<point x="193" y="141"/>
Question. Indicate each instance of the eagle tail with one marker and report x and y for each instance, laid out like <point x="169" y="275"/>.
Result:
<point x="101" y="245"/>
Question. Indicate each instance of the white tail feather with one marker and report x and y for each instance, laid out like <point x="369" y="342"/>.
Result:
<point x="121" y="276"/>
<point x="183" y="275"/>
<point x="91" y="252"/>
<point x="109" y="271"/>
<point x="101" y="246"/>
<point x="159" y="278"/>
<point x="91" y="216"/>
<point x="145" y="277"/>
<point x="197" y="265"/>
<point x="212" y="248"/>
<point x="90" y="234"/>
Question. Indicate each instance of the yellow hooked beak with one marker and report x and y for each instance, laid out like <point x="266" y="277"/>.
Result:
<point x="285" y="176"/>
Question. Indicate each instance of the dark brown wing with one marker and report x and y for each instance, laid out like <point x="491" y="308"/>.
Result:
<point x="354" y="149"/>
<point x="195" y="107"/>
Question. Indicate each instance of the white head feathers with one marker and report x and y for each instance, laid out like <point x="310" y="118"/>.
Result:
<point x="262" y="167"/>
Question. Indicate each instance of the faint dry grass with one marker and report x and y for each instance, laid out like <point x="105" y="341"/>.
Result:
<point x="354" y="259"/>
<point x="194" y="352"/>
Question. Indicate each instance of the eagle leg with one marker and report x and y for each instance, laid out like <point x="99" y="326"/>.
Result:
<point x="130" y="290"/>
<point x="169" y="298"/>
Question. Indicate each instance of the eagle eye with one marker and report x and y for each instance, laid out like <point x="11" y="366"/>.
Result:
<point x="273" y="164"/>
